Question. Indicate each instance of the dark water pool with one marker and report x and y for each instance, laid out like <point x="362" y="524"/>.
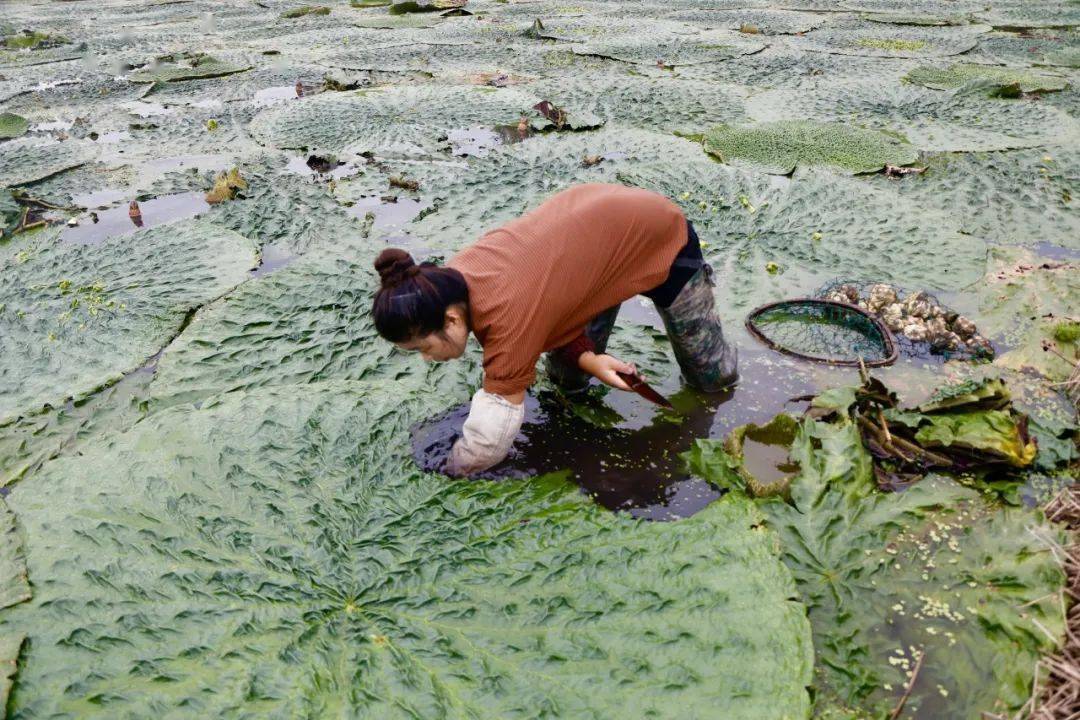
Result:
<point x="624" y="451"/>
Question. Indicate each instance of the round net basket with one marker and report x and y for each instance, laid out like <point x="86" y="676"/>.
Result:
<point x="825" y="331"/>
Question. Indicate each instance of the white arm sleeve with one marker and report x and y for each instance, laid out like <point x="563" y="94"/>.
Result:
<point x="487" y="434"/>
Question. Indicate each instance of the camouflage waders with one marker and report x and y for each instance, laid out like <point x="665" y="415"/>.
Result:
<point x="708" y="363"/>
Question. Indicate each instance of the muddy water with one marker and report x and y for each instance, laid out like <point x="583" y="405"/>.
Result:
<point x="624" y="451"/>
<point x="117" y="221"/>
<point x="766" y="458"/>
<point x="388" y="213"/>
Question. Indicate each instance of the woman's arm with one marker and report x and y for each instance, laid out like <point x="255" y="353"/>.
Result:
<point x="581" y="352"/>
<point x="488" y="432"/>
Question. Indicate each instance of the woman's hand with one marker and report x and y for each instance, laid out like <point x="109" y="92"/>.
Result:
<point x="604" y="367"/>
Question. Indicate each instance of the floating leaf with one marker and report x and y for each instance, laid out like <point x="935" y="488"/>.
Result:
<point x="12" y="125"/>
<point x="305" y="10"/>
<point x="1022" y="297"/>
<point x="881" y="40"/>
<point x="780" y="147"/>
<point x="321" y="569"/>
<point x="933" y="571"/>
<point x="75" y="317"/>
<point x="951" y="120"/>
<point x="188" y="66"/>
<point x="27" y="160"/>
<point x="10" y="644"/>
<point x="960" y="74"/>
<point x="397" y="120"/>
<point x="14" y="587"/>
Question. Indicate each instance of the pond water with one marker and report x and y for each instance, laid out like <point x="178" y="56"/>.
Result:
<point x="624" y="451"/>
<point x="117" y="221"/>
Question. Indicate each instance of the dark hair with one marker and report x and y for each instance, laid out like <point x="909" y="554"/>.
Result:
<point x="413" y="299"/>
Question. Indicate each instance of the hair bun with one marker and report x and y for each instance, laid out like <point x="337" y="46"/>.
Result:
<point x="395" y="266"/>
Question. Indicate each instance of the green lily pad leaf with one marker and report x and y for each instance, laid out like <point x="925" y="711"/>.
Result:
<point x="12" y="125"/>
<point x="1065" y="57"/>
<point x="951" y="121"/>
<point x="1023" y="298"/>
<point x="321" y="571"/>
<point x="27" y="160"/>
<point x="880" y="40"/>
<point x="960" y="74"/>
<point x="863" y="233"/>
<point x="393" y="22"/>
<point x="284" y="209"/>
<point x="1020" y="197"/>
<point x="780" y="147"/>
<point x="14" y="587"/>
<point x="655" y="103"/>
<point x="31" y="40"/>
<point x="931" y="571"/>
<point x="409" y="120"/>
<point x="10" y="645"/>
<point x="188" y="66"/>
<point x="29" y="441"/>
<point x="1014" y="14"/>
<point x="897" y="18"/>
<point x="752" y="21"/>
<point x="76" y="317"/>
<point x="306" y="322"/>
<point x="400" y="7"/>
<point x="674" y="50"/>
<point x="991" y="393"/>
<point x="305" y="10"/>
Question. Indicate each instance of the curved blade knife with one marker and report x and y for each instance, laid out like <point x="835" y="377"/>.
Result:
<point x="642" y="388"/>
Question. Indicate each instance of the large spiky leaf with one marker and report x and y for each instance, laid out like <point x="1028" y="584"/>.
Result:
<point x="14" y="587"/>
<point x="9" y="658"/>
<point x="1018" y="197"/>
<point x="930" y="572"/>
<point x="12" y="125"/>
<point x="304" y="323"/>
<point x="880" y="40"/>
<point x="951" y="120"/>
<point x="284" y="209"/>
<point x="75" y="317"/>
<point x="401" y="120"/>
<point x="750" y="21"/>
<point x="657" y="103"/>
<point x="272" y="551"/>
<point x="26" y="160"/>
<point x="1031" y="14"/>
<point x="780" y="147"/>
<point x="186" y="67"/>
<point x="960" y="74"/>
<point x="1024" y="297"/>
<point x="814" y="227"/>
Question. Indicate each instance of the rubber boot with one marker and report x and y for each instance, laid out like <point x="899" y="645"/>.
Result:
<point x="708" y="362"/>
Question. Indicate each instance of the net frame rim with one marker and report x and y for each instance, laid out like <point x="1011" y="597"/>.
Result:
<point x="891" y="349"/>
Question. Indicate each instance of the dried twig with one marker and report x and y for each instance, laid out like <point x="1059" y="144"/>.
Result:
<point x="907" y="691"/>
<point x="1056" y="695"/>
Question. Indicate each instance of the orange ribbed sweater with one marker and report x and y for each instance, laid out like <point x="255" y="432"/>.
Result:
<point x="535" y="282"/>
